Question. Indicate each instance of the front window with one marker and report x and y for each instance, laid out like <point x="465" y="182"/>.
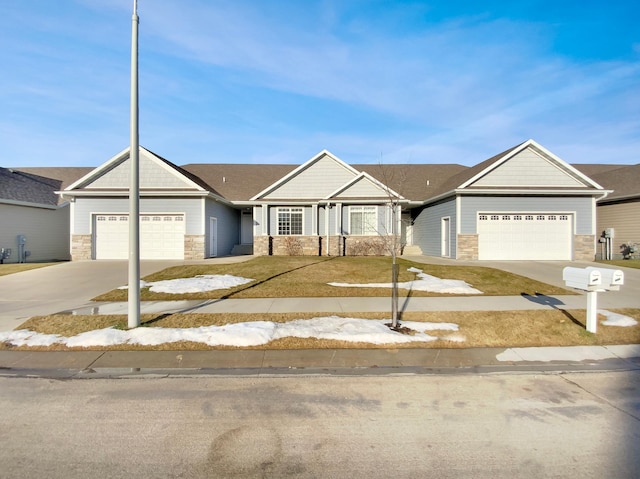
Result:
<point x="289" y="221"/>
<point x="363" y="220"/>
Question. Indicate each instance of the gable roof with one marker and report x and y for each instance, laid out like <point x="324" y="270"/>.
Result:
<point x="20" y="187"/>
<point x="364" y="183"/>
<point x="299" y="172"/>
<point x="466" y="178"/>
<point x="625" y="183"/>
<point x="188" y="180"/>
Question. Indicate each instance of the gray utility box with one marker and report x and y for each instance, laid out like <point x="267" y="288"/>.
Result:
<point x="611" y="279"/>
<point x="582" y="278"/>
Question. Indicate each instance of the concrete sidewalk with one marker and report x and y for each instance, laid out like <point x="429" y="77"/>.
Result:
<point x="110" y="364"/>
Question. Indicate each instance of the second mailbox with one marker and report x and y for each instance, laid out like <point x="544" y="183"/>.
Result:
<point x="582" y="278"/>
<point x="611" y="279"/>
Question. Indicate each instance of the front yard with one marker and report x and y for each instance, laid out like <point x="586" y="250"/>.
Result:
<point x="305" y="277"/>
<point x="278" y="277"/>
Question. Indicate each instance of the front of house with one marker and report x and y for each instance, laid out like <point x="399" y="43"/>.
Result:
<point x="523" y="204"/>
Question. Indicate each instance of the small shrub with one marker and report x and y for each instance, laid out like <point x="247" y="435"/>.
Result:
<point x="293" y="246"/>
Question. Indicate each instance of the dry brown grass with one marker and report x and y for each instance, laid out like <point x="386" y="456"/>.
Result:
<point x="306" y="277"/>
<point x="550" y="327"/>
<point x="12" y="268"/>
<point x="625" y="263"/>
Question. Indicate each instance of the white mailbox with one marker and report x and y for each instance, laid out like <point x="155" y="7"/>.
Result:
<point x="611" y="279"/>
<point x="582" y="278"/>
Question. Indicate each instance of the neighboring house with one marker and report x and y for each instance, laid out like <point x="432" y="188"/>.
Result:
<point x="620" y="210"/>
<point x="33" y="225"/>
<point x="525" y="203"/>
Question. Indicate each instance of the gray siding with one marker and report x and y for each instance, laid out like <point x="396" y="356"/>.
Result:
<point x="363" y="188"/>
<point x="191" y="207"/>
<point x="528" y="168"/>
<point x="581" y="207"/>
<point x="317" y="181"/>
<point x="152" y="175"/>
<point x="427" y="226"/>
<point x="46" y="230"/>
<point x="228" y="227"/>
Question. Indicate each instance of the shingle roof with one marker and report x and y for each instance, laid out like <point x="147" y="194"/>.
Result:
<point x="625" y="182"/>
<point x="416" y="182"/>
<point x="25" y="187"/>
<point x="65" y="174"/>
<point x="592" y="169"/>
<point x="237" y="182"/>
<point x="413" y="182"/>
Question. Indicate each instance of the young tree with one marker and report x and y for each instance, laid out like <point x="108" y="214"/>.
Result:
<point x="392" y="236"/>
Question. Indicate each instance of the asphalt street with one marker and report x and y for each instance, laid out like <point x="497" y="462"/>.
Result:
<point x="569" y="425"/>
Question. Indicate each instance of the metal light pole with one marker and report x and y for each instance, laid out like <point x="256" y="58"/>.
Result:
<point x="134" y="188"/>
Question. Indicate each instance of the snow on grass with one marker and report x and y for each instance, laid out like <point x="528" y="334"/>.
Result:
<point x="243" y="334"/>
<point x="425" y="282"/>
<point x="615" y="319"/>
<point x="197" y="284"/>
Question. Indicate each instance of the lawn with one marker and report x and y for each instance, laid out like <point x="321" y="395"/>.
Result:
<point x="625" y="263"/>
<point x="550" y="327"/>
<point x="12" y="268"/>
<point x="304" y="276"/>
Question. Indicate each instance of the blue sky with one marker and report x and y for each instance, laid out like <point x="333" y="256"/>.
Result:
<point x="277" y="81"/>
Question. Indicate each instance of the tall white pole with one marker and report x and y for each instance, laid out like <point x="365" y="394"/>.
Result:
<point x="134" y="188"/>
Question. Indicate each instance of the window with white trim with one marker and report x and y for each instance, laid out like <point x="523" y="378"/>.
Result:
<point x="290" y="221"/>
<point x="363" y="220"/>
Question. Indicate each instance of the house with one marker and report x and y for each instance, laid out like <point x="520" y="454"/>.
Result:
<point x="524" y="203"/>
<point x="35" y="225"/>
<point x="618" y="214"/>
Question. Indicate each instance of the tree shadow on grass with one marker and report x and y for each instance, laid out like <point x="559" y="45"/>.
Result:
<point x="553" y="303"/>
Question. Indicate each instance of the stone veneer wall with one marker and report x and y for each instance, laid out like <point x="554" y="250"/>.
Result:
<point x="584" y="247"/>
<point x="194" y="247"/>
<point x="317" y="245"/>
<point x="367" y="246"/>
<point x="81" y="247"/>
<point x="467" y="247"/>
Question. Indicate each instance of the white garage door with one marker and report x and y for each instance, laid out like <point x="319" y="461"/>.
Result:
<point x="161" y="237"/>
<point x="524" y="236"/>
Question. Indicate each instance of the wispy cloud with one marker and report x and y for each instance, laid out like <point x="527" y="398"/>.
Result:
<point x="250" y="81"/>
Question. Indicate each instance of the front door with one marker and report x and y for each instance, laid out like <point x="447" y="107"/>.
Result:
<point x="246" y="228"/>
<point x="446" y="238"/>
<point x="213" y="237"/>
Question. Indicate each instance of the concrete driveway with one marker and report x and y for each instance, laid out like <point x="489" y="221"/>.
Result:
<point x="70" y="285"/>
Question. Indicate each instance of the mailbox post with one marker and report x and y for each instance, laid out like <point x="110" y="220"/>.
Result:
<point x="592" y="280"/>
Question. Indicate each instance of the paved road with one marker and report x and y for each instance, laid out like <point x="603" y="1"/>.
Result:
<point x="482" y="426"/>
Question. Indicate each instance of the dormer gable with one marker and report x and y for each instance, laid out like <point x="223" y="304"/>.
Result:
<point x="364" y="186"/>
<point x="315" y="179"/>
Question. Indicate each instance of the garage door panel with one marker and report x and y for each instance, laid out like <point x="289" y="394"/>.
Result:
<point x="161" y="237"/>
<point x="524" y="236"/>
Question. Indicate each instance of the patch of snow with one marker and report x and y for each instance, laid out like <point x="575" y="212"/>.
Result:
<point x="197" y="284"/>
<point x="615" y="319"/>
<point x="242" y="334"/>
<point x="425" y="282"/>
